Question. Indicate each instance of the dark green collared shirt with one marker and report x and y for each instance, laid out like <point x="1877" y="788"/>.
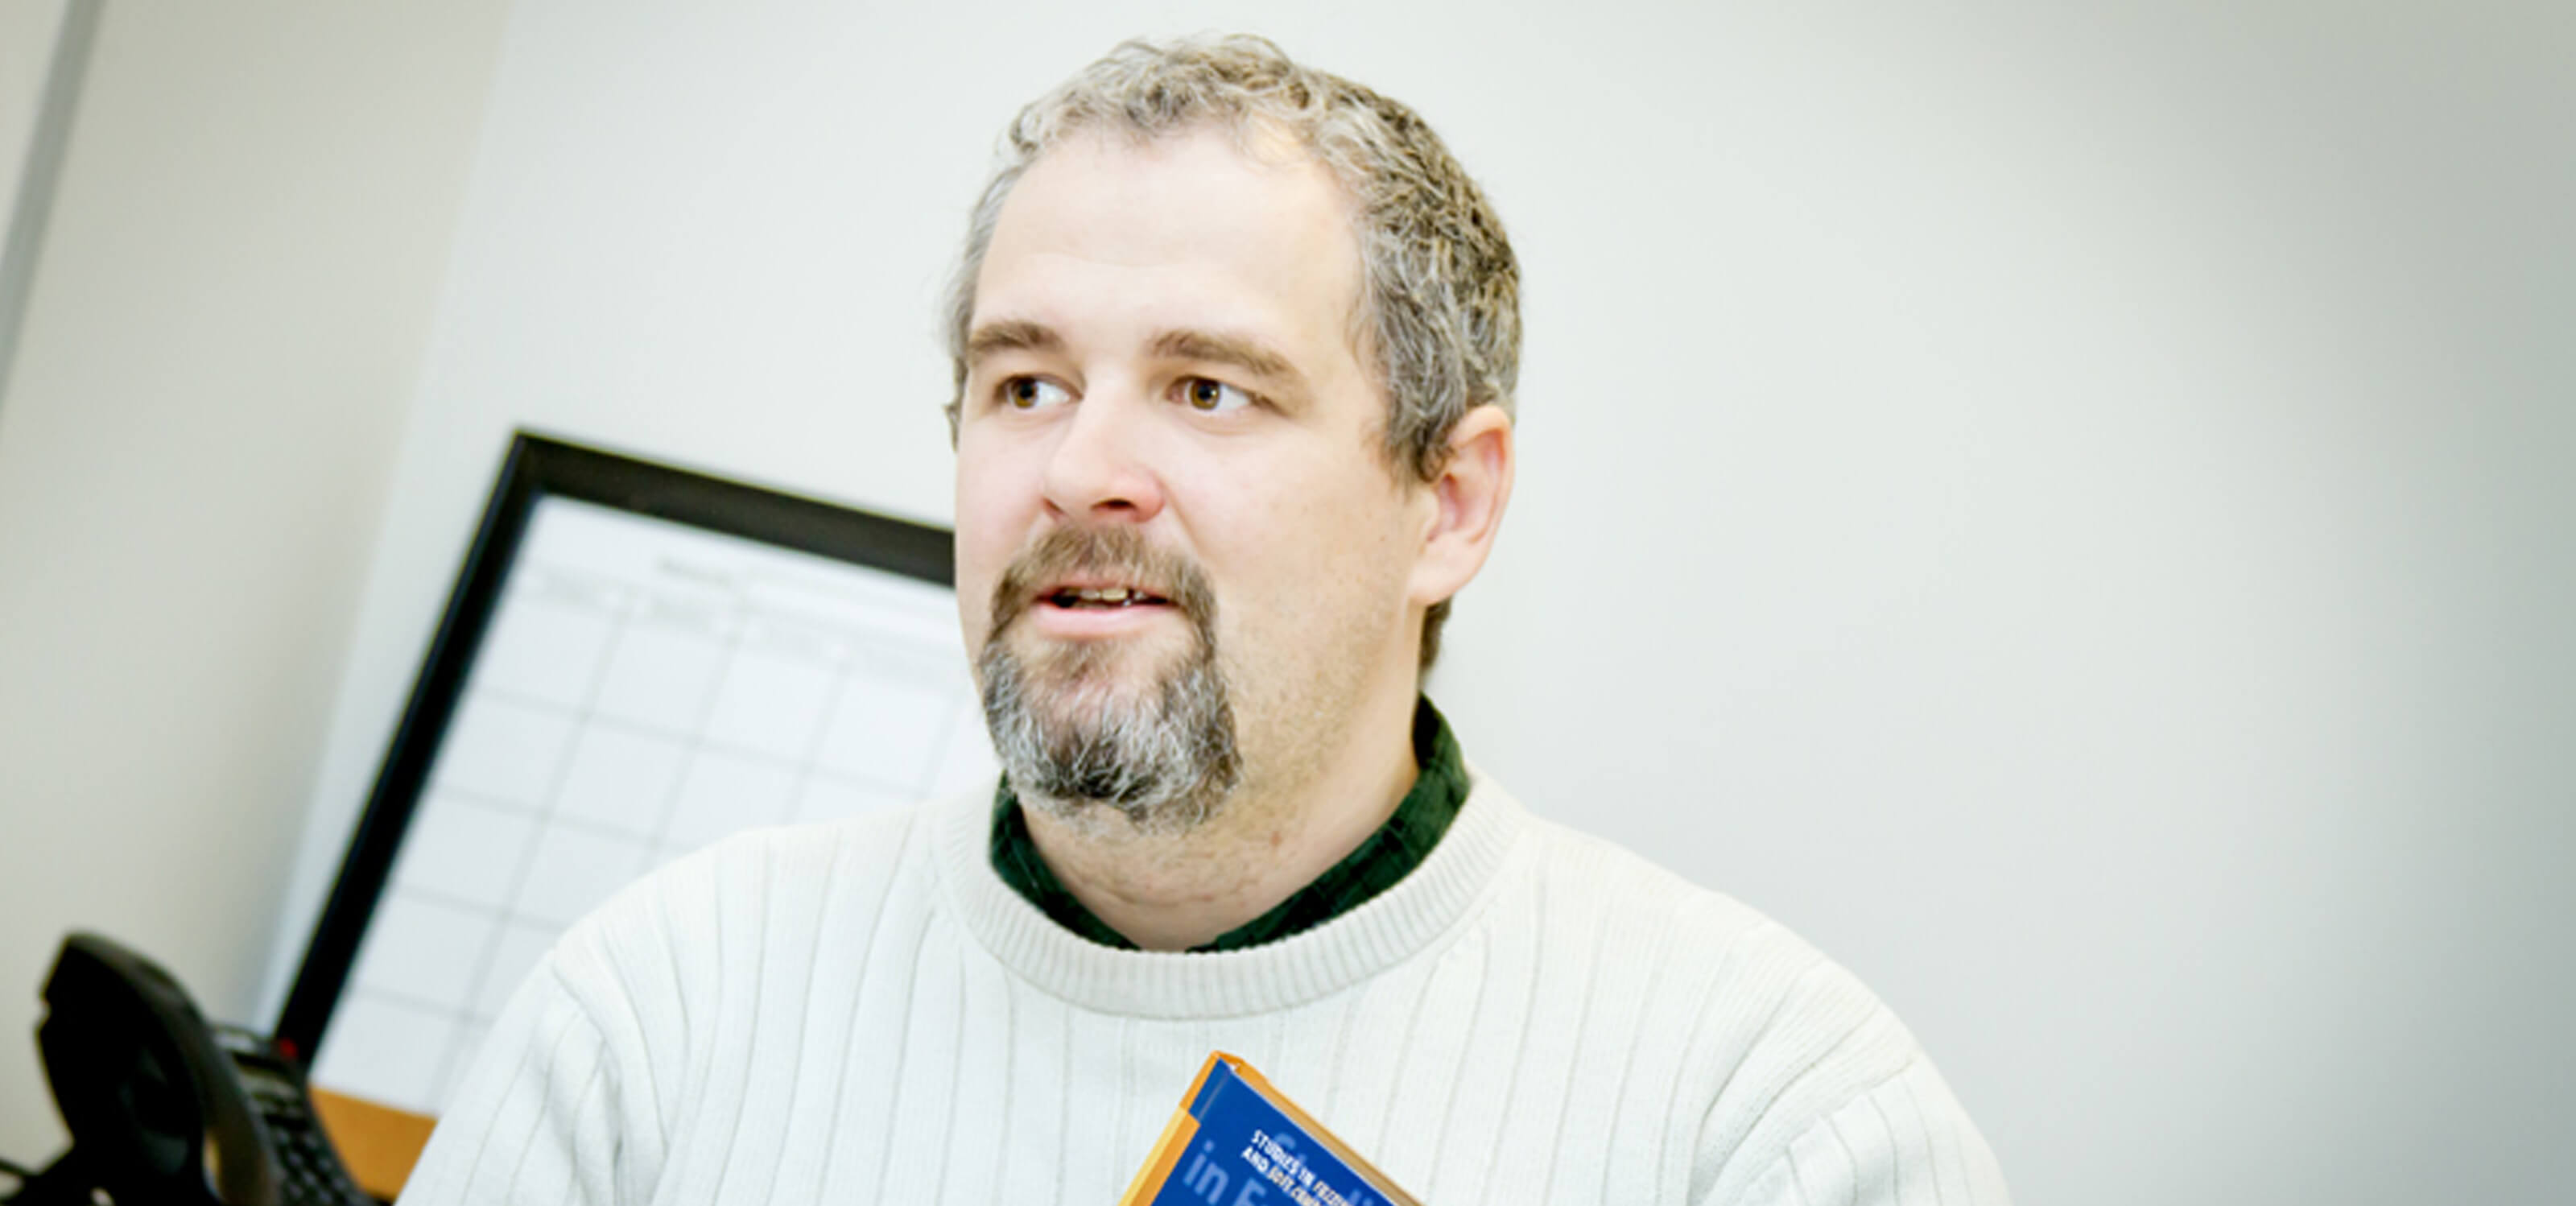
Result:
<point x="1400" y="845"/>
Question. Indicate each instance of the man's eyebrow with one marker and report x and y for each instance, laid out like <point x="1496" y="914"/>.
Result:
<point x="1011" y="335"/>
<point x="1217" y="348"/>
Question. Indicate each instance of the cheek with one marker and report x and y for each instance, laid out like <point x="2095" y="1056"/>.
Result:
<point x="993" y="514"/>
<point x="1321" y="564"/>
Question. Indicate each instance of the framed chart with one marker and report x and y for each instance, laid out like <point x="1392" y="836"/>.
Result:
<point x="635" y="661"/>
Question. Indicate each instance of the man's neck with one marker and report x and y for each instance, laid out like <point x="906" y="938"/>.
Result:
<point x="1265" y="841"/>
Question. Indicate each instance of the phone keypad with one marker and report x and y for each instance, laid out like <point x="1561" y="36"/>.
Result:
<point x="309" y="1171"/>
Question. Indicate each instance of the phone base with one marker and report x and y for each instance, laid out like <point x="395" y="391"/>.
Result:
<point x="62" y="1183"/>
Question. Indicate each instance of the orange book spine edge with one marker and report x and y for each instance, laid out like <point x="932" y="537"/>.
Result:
<point x="1175" y="1139"/>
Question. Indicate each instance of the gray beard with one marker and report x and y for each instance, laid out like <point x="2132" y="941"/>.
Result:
<point x="1165" y="757"/>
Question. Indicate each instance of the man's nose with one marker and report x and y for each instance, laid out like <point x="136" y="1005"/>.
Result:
<point x="1099" y="468"/>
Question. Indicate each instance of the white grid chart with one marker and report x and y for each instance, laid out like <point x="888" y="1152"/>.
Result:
<point x="645" y="688"/>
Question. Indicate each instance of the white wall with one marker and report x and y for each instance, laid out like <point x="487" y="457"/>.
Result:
<point x="28" y="31"/>
<point x="220" y="345"/>
<point x="2059" y="504"/>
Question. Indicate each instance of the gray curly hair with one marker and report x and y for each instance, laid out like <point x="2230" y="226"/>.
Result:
<point x="1440" y="289"/>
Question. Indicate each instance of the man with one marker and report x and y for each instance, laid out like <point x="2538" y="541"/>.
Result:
<point x="1235" y="345"/>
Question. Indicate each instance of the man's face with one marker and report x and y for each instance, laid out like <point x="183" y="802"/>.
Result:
<point x="1164" y="398"/>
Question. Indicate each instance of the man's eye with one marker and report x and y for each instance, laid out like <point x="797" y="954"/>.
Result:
<point x="1030" y="393"/>
<point x="1213" y="397"/>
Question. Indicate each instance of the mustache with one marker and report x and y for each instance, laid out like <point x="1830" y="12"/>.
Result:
<point x="1121" y="554"/>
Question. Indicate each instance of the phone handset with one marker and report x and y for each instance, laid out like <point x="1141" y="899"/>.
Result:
<point x="164" y="1108"/>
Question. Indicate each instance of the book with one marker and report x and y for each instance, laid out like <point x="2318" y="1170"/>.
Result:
<point x="1238" y="1141"/>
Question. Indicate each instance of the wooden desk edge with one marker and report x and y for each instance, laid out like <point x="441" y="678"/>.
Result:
<point x="378" y="1143"/>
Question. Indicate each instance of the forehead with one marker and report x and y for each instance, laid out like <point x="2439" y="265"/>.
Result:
<point x="1189" y="230"/>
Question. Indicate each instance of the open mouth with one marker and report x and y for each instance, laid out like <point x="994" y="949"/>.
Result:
<point x="1101" y="598"/>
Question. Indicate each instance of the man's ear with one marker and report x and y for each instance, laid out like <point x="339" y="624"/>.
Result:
<point x="1468" y="499"/>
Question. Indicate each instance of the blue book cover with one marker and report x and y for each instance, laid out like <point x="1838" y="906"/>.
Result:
<point x="1236" y="1141"/>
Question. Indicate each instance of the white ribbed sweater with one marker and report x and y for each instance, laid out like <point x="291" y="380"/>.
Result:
<point x="864" y="1012"/>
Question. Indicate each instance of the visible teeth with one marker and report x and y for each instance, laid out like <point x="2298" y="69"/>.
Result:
<point x="1114" y="596"/>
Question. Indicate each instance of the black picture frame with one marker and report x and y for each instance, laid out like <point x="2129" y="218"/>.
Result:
<point x="537" y="467"/>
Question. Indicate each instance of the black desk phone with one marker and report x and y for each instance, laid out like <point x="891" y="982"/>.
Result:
<point x="163" y="1108"/>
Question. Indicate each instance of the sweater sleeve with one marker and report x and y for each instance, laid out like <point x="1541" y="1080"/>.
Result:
<point x="1905" y="1142"/>
<point x="539" y="1118"/>
<point x="1826" y="1099"/>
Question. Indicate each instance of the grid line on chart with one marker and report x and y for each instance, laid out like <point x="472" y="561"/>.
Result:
<point x="661" y="839"/>
<point x="809" y="762"/>
<point x="928" y="780"/>
<point x="814" y="771"/>
<point x="527" y="858"/>
<point x="465" y="1017"/>
<point x="566" y="579"/>
<point x="451" y="900"/>
<point x="916" y="789"/>
<point x="526" y="811"/>
<point x="813" y="760"/>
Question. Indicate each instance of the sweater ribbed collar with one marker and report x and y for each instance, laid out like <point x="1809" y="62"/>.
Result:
<point x="1391" y="927"/>
<point x="1379" y="862"/>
